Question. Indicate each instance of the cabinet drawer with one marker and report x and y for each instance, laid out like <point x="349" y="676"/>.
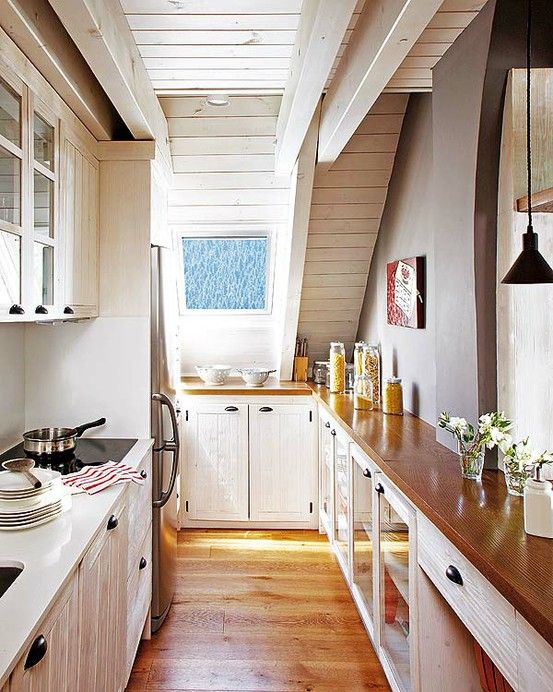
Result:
<point x="481" y="608"/>
<point x="139" y="595"/>
<point x="139" y="503"/>
<point x="535" y="659"/>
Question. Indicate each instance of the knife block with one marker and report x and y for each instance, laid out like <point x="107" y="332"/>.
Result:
<point x="301" y="363"/>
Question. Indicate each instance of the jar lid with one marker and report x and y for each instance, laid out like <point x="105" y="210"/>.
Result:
<point x="359" y="343"/>
<point x="394" y="380"/>
<point x="321" y="362"/>
<point x="336" y="343"/>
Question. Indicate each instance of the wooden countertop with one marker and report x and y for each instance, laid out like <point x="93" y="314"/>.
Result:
<point x="236" y="387"/>
<point x="481" y="519"/>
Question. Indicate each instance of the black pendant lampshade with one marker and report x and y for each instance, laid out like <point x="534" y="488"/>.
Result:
<point x="530" y="266"/>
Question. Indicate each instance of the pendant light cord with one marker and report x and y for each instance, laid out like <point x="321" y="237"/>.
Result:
<point x="528" y="110"/>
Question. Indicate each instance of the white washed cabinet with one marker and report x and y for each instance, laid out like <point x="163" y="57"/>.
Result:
<point x="216" y="448"/>
<point x="282" y="483"/>
<point x="50" y="663"/>
<point x="102" y="605"/>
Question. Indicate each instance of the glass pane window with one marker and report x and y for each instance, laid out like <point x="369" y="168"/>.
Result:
<point x="225" y="273"/>
<point x="43" y="142"/>
<point x="10" y="187"/>
<point x="43" y="263"/>
<point x="10" y="113"/>
<point x="362" y="535"/>
<point x="341" y="499"/>
<point x="10" y="268"/>
<point x="43" y="198"/>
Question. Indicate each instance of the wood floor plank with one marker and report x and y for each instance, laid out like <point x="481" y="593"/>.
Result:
<point x="259" y="611"/>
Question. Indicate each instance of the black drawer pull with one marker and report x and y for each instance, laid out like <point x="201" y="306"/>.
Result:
<point x="143" y="474"/>
<point x="41" y="310"/>
<point x="113" y="522"/>
<point x="265" y="409"/>
<point x="16" y="310"/>
<point x="327" y="424"/>
<point x="367" y="473"/>
<point x="453" y="574"/>
<point x="333" y="433"/>
<point x="142" y="564"/>
<point x="37" y="652"/>
<point x="231" y="409"/>
<point x="379" y="488"/>
<point x="68" y="310"/>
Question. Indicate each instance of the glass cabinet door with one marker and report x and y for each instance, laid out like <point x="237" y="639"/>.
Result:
<point x="394" y="582"/>
<point x="341" y="500"/>
<point x="326" y="460"/>
<point x="363" y="564"/>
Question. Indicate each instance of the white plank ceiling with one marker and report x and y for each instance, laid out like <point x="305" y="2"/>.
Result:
<point x="215" y="45"/>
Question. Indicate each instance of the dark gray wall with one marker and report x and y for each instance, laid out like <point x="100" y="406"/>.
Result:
<point x="406" y="230"/>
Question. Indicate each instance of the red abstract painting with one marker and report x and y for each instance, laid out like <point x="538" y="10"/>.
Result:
<point x="405" y="292"/>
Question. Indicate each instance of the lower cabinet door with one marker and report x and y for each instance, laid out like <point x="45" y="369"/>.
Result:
<point x="50" y="662"/>
<point x="283" y="464"/>
<point x="139" y="595"/>
<point x="103" y="605"/>
<point x="215" y="485"/>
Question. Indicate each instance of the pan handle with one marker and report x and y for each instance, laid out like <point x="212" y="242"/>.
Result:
<point x="95" y="424"/>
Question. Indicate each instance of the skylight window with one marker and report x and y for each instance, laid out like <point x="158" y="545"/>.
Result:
<point x="226" y="273"/>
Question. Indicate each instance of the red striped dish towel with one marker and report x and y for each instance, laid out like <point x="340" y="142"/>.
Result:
<point x="93" y="479"/>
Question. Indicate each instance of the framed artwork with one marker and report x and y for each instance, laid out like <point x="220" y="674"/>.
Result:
<point x="405" y="299"/>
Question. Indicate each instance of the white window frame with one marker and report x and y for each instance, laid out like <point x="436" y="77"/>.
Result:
<point x="227" y="231"/>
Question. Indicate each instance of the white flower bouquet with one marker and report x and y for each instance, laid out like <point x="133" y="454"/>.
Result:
<point x="519" y="462"/>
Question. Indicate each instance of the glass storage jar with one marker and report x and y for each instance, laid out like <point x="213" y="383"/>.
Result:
<point x="320" y="368"/>
<point x="350" y="377"/>
<point x="358" y="358"/>
<point x="371" y="368"/>
<point x="392" y="401"/>
<point x="337" y="367"/>
<point x="363" y="393"/>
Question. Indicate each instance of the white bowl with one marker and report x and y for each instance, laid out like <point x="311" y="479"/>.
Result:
<point x="214" y="374"/>
<point x="255" y="377"/>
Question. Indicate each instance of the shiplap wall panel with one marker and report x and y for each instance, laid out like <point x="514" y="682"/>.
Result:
<point x="223" y="159"/>
<point x="346" y="208"/>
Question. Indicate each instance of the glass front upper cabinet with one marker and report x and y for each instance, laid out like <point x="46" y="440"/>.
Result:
<point x="11" y="171"/>
<point x="363" y="524"/>
<point x="394" y="532"/>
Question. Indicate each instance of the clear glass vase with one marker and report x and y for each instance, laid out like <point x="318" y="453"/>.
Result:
<point x="515" y="480"/>
<point x="472" y="464"/>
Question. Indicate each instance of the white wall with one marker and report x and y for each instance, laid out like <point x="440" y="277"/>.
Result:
<point x="223" y="161"/>
<point x="12" y="384"/>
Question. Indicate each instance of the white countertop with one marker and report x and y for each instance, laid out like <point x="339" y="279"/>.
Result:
<point x="50" y="554"/>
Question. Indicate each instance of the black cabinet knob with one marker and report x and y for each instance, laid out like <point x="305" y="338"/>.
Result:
<point x="16" y="310"/>
<point x="142" y="564"/>
<point x="37" y="652"/>
<point x="113" y="522"/>
<point x="68" y="310"/>
<point x="231" y="409"/>
<point x="367" y="473"/>
<point x="379" y="488"/>
<point x="327" y="424"/>
<point x="41" y="310"/>
<point x="453" y="574"/>
<point x="333" y="433"/>
<point x="143" y="474"/>
<point x="265" y="409"/>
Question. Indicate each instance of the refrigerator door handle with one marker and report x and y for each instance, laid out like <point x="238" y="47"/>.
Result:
<point x="172" y="445"/>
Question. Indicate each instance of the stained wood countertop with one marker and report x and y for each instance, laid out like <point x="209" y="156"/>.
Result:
<point x="236" y="387"/>
<point x="481" y="519"/>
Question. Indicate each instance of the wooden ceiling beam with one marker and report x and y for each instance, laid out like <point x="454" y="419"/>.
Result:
<point x="36" y="30"/>
<point x="384" y="35"/>
<point x="322" y="26"/>
<point x="101" y="32"/>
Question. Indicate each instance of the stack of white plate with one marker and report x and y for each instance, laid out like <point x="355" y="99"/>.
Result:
<point x="22" y="506"/>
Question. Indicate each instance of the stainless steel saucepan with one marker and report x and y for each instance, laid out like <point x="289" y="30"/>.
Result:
<point x="55" y="440"/>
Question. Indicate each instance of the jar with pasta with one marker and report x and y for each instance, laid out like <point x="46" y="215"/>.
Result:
<point x="337" y="367"/>
<point x="358" y="358"/>
<point x="363" y="394"/>
<point x="371" y="368"/>
<point x="392" y="401"/>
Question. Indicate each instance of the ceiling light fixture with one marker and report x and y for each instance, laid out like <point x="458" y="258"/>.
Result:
<point x="217" y="100"/>
<point x="530" y="267"/>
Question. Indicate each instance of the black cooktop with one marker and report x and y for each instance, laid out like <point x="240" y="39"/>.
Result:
<point x="89" y="451"/>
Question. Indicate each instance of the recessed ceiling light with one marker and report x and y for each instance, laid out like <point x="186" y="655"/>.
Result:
<point x="217" y="100"/>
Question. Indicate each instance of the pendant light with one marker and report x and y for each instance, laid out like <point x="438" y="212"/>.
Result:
<point x="530" y="267"/>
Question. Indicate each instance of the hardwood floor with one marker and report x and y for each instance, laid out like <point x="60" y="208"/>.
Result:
<point x="260" y="611"/>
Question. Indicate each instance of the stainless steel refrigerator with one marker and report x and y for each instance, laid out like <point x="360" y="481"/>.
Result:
<point x="165" y="378"/>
